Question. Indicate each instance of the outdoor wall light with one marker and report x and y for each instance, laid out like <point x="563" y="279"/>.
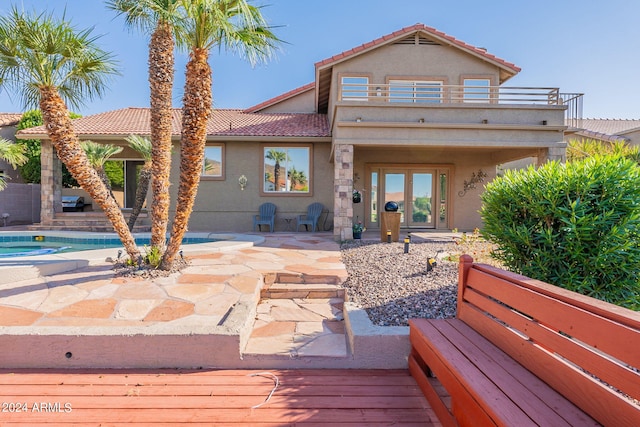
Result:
<point x="378" y="91"/>
<point x="544" y="122"/>
<point x="242" y="181"/>
<point x="421" y="120"/>
<point x="485" y="121"/>
<point x="358" y="119"/>
<point x="471" y="184"/>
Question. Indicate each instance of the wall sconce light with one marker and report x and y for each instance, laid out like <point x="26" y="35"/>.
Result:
<point x="242" y="181"/>
<point x="378" y="91"/>
<point x="485" y="121"/>
<point x="471" y="184"/>
<point x="544" y="122"/>
<point x="421" y="120"/>
<point x="358" y="119"/>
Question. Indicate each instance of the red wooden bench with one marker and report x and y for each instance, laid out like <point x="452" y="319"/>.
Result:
<point x="523" y="352"/>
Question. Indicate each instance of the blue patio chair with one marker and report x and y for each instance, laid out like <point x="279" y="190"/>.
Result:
<point x="314" y="210"/>
<point x="267" y="216"/>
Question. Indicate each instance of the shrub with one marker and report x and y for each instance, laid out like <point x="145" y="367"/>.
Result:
<point x="30" y="171"/>
<point x="575" y="225"/>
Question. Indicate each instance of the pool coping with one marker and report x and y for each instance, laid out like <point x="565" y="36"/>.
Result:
<point x="19" y="268"/>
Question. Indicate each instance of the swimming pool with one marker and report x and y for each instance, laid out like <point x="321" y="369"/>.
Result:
<point x="32" y="244"/>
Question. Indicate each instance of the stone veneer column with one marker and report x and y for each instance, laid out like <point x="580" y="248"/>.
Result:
<point x="50" y="183"/>
<point x="342" y="193"/>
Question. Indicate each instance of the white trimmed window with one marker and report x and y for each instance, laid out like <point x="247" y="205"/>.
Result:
<point x="213" y="166"/>
<point x="355" y="88"/>
<point x="415" y="91"/>
<point x="476" y="90"/>
<point x="286" y="170"/>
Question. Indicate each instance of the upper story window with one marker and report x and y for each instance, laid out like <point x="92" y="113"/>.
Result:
<point x="415" y="91"/>
<point x="287" y="169"/>
<point x="212" y="166"/>
<point x="476" y="90"/>
<point x="355" y="88"/>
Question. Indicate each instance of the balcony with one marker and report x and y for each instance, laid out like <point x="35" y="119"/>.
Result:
<point x="430" y="93"/>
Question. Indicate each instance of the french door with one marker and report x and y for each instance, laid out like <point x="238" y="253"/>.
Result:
<point x="421" y="195"/>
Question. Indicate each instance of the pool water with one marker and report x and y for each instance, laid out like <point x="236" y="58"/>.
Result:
<point x="25" y="250"/>
<point x="31" y="245"/>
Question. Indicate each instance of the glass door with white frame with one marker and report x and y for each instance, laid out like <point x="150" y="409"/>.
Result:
<point x="417" y="191"/>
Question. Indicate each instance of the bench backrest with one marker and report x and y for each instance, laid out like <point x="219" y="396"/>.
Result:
<point x="574" y="343"/>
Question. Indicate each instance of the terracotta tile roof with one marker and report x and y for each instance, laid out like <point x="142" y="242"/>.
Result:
<point x="584" y="133"/>
<point x="120" y="123"/>
<point x="9" y="119"/>
<point x="439" y="35"/>
<point x="609" y="126"/>
<point x="280" y="98"/>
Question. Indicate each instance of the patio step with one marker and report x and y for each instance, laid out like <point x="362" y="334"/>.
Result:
<point x="91" y="221"/>
<point x="299" y="316"/>
<point x="288" y="286"/>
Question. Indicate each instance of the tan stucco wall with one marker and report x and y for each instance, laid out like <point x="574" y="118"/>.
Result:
<point x="461" y="164"/>
<point x="302" y="103"/>
<point x="221" y="205"/>
<point x="412" y="61"/>
<point x="507" y="125"/>
<point x="634" y="137"/>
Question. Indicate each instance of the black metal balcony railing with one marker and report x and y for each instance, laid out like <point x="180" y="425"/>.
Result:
<point x="434" y="93"/>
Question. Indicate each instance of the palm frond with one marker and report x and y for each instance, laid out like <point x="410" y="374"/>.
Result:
<point x="12" y="153"/>
<point x="146" y="14"/>
<point x="40" y="50"/>
<point x="98" y="154"/>
<point x="140" y="144"/>
<point x="234" y="25"/>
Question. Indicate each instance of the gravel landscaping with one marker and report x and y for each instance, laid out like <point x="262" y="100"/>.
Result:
<point x="393" y="286"/>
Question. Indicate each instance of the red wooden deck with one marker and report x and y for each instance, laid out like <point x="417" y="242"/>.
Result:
<point x="207" y="398"/>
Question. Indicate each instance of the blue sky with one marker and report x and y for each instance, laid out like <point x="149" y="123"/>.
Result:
<point x="591" y="47"/>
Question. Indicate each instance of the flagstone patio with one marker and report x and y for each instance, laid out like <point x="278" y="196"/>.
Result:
<point x="217" y="294"/>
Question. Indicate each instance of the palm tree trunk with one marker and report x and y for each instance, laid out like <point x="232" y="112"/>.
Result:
<point x="141" y="195"/>
<point x="196" y="111"/>
<point x="63" y="137"/>
<point x="276" y="176"/>
<point x="105" y="180"/>
<point x="161" y="62"/>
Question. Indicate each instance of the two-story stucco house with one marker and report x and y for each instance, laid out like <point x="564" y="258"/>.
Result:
<point x="412" y="117"/>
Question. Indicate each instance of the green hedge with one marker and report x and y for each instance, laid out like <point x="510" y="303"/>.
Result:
<point x="575" y="225"/>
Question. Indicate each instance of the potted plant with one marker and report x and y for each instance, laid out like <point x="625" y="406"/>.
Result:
<point x="358" y="228"/>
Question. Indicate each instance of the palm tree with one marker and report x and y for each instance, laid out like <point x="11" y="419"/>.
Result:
<point x="234" y="25"/>
<point x="98" y="154"/>
<point x="157" y="17"/>
<point x="14" y="155"/>
<point x="297" y="177"/>
<point x="277" y="156"/>
<point x="48" y="63"/>
<point x="143" y="146"/>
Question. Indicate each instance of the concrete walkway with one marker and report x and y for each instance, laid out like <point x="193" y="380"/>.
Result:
<point x="204" y="316"/>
